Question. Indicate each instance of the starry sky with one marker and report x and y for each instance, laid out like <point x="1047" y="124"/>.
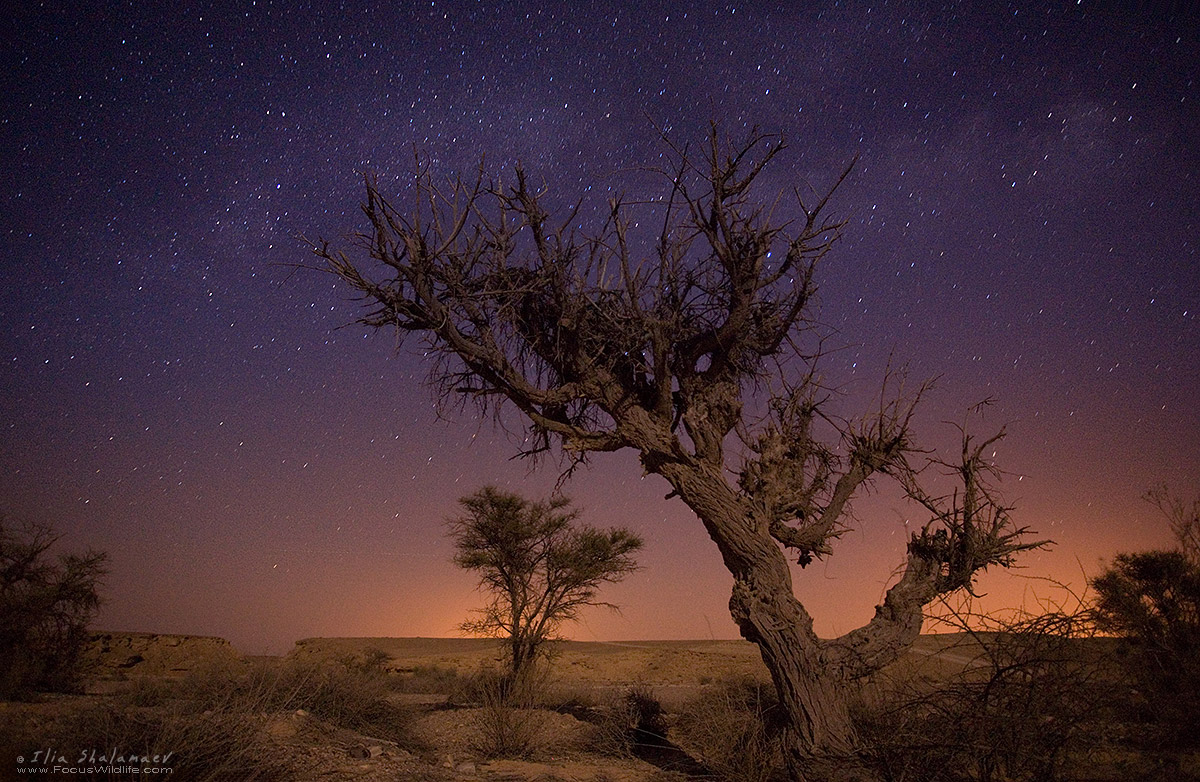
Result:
<point x="1022" y="225"/>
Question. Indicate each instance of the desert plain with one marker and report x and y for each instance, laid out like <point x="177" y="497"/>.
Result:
<point x="414" y="709"/>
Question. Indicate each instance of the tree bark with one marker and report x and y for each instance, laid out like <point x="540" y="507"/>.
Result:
<point x="818" y="733"/>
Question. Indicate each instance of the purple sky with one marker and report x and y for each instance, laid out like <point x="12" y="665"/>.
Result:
<point x="1022" y="225"/>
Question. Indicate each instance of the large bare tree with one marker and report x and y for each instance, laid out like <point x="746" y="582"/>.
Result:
<point x="689" y="345"/>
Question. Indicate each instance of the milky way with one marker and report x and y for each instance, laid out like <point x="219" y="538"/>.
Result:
<point x="1022" y="225"/>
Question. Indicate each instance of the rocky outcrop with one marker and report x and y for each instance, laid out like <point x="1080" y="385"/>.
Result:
<point x="120" y="655"/>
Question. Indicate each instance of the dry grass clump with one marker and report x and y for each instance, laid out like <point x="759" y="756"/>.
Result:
<point x="431" y="679"/>
<point x="636" y="717"/>
<point x="507" y="723"/>
<point x="507" y="732"/>
<point x="494" y="717"/>
<point x="349" y="694"/>
<point x="206" y="745"/>
<point x="734" y="730"/>
<point x="195" y="745"/>
<point x="220" y="722"/>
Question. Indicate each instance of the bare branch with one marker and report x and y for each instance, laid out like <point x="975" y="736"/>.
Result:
<point x="969" y="531"/>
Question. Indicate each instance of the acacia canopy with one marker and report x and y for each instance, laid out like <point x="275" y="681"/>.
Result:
<point x="539" y="565"/>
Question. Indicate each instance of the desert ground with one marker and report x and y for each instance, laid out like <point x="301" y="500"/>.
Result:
<point x="428" y="678"/>
<point x="413" y="709"/>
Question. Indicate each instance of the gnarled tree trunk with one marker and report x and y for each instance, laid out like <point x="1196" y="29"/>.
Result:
<point x="818" y="730"/>
<point x="819" y="734"/>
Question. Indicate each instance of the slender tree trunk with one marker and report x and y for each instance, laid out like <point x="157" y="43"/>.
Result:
<point x="513" y="681"/>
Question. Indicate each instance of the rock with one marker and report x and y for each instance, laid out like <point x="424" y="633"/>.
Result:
<point x="466" y="767"/>
<point x="119" y="655"/>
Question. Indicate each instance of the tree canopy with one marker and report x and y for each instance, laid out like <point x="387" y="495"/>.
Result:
<point x="539" y="565"/>
<point x="46" y="604"/>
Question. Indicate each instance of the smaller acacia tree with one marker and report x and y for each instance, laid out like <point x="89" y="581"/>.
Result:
<point x="539" y="566"/>
<point x="1152" y="600"/>
<point x="45" y="608"/>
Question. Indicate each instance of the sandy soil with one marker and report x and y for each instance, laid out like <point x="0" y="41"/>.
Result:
<point x="675" y="670"/>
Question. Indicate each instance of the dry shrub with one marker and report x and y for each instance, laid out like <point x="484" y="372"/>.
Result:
<point x="1027" y="706"/>
<point x="430" y="679"/>
<point x="1151" y="599"/>
<point x="613" y="735"/>
<point x="578" y="700"/>
<point x="489" y="684"/>
<point x="214" y="721"/>
<point x="46" y="604"/>
<point x="734" y="730"/>
<point x="203" y="745"/>
<point x="506" y="732"/>
<point x="507" y="725"/>
<point x="346" y="694"/>
<point x="372" y="660"/>
<point x="635" y="717"/>
<point x="348" y="697"/>
<point x="194" y="745"/>
<point x="649" y="720"/>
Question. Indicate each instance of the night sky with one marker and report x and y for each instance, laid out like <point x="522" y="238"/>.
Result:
<point x="1022" y="225"/>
